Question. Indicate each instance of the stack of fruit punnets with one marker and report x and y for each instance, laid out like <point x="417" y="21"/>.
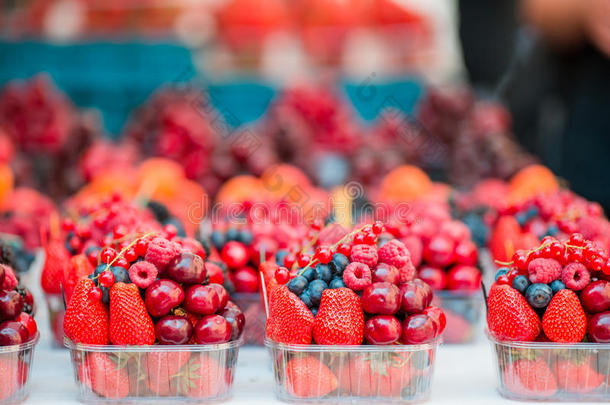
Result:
<point x="549" y="322"/>
<point x="351" y="320"/>
<point x="148" y="323"/>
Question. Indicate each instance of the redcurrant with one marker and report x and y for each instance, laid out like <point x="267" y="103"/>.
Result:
<point x="377" y="227"/>
<point x="370" y="238"/>
<point x="95" y="294"/>
<point x="289" y="260"/>
<point x="576" y="239"/>
<point x="119" y="232"/>
<point x="67" y="225"/>
<point x="345" y="249"/>
<point x="358" y="238"/>
<point x="130" y="255"/>
<point x="170" y="231"/>
<point x="520" y="259"/>
<point x="557" y="249"/>
<point x="503" y="280"/>
<point x="106" y="279"/>
<point x="141" y="246"/>
<point x="575" y="255"/>
<point x="121" y="262"/>
<point x="107" y="255"/>
<point x="282" y="275"/>
<point x="597" y="264"/>
<point x="323" y="254"/>
<point x="303" y="260"/>
<point x="83" y="231"/>
<point x="606" y="268"/>
<point x="93" y="256"/>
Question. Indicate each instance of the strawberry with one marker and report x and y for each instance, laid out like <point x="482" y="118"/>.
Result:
<point x="564" y="320"/>
<point x="577" y="376"/>
<point x="340" y="319"/>
<point x="130" y="323"/>
<point x="306" y="377"/>
<point x="375" y="375"/>
<point x="504" y="238"/>
<point x="86" y="321"/>
<point x="103" y="376"/>
<point x="14" y="374"/>
<point x="79" y="267"/>
<point x="290" y="321"/>
<point x="203" y="377"/>
<point x="57" y="259"/>
<point x="530" y="378"/>
<point x="161" y="368"/>
<point x="509" y="316"/>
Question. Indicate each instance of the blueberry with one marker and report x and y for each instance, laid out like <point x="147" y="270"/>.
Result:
<point x="521" y="218"/>
<point x="93" y="277"/>
<point x="532" y="212"/>
<point x="218" y="239"/>
<point x="477" y="227"/>
<point x="99" y="269"/>
<point x="105" y="295"/>
<point x="324" y="272"/>
<point x="336" y="283"/>
<point x="316" y="288"/>
<point x="552" y="230"/>
<point x="245" y="236"/>
<point x="306" y="299"/>
<point x="538" y="295"/>
<point x="91" y="249"/>
<point x="280" y="255"/>
<point x="309" y="274"/>
<point x="314" y="311"/>
<point x="520" y="283"/>
<point x="502" y="271"/>
<point x="338" y="263"/>
<point x="297" y="285"/>
<point x="557" y="286"/>
<point x="120" y="275"/>
<point x="232" y="234"/>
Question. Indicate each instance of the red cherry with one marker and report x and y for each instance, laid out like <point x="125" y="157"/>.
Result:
<point x="303" y="260"/>
<point x="466" y="253"/>
<point x="107" y="255"/>
<point x="358" y="239"/>
<point x="234" y="254"/>
<point x="282" y="275"/>
<point x="245" y="280"/>
<point x="95" y="294"/>
<point x="377" y="227"/>
<point x="382" y="330"/>
<point x="323" y="254"/>
<point x="106" y="279"/>
<point x="93" y="256"/>
<point x="28" y="321"/>
<point x="212" y="329"/>
<point x="440" y="251"/>
<point x="370" y="238"/>
<point x="345" y="249"/>
<point x="438" y="316"/>
<point x="381" y="298"/>
<point x="418" y="329"/>
<point x="433" y="276"/>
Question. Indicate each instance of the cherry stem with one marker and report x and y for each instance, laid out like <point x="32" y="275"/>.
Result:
<point x="567" y="245"/>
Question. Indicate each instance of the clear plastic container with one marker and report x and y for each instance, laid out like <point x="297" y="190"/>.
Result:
<point x="15" y="363"/>
<point x="397" y="373"/>
<point x="537" y="371"/>
<point x="55" y="306"/>
<point x="252" y="307"/>
<point x="169" y="374"/>
<point x="464" y="310"/>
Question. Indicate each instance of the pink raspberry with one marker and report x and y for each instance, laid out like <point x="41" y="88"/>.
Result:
<point x="366" y="254"/>
<point x="143" y="273"/>
<point x="395" y="253"/>
<point x="10" y="279"/>
<point x="544" y="270"/>
<point x="575" y="276"/>
<point x="160" y="252"/>
<point x="357" y="276"/>
<point x="407" y="272"/>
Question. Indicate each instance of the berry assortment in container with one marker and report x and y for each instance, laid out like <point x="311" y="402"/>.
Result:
<point x="349" y="320"/>
<point x="549" y="322"/>
<point x="153" y="328"/>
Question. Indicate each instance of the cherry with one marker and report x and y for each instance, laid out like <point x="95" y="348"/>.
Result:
<point x="234" y="254"/>
<point x="464" y="278"/>
<point x="186" y="268"/>
<point x="223" y="295"/>
<point x="212" y="329"/>
<point x="11" y="304"/>
<point x="440" y="251"/>
<point x="381" y="298"/>
<point x="382" y="330"/>
<point x="245" y="280"/>
<point x="163" y="295"/>
<point x="414" y="297"/>
<point x="433" y="276"/>
<point x="12" y="333"/>
<point x="437" y="316"/>
<point x="236" y="319"/>
<point x="466" y="253"/>
<point x="599" y="327"/>
<point x="28" y="321"/>
<point x="596" y="296"/>
<point x="215" y="274"/>
<point x="106" y="279"/>
<point x="93" y="256"/>
<point x="386" y="272"/>
<point x="282" y="275"/>
<point x="418" y="329"/>
<point x="173" y="330"/>
<point x="264" y="246"/>
<point x="202" y="300"/>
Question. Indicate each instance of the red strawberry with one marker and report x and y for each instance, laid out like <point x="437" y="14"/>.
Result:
<point x="579" y="377"/>
<point x="504" y="238"/>
<point x="130" y="323"/>
<point x="373" y="376"/>
<point x="86" y="321"/>
<point x="340" y="319"/>
<point x="306" y="377"/>
<point x="290" y="321"/>
<point x="103" y="376"/>
<point x="14" y="375"/>
<point x="161" y="367"/>
<point x="79" y="267"/>
<point x="203" y="377"/>
<point x="530" y="378"/>
<point x="509" y="316"/>
<point x="57" y="259"/>
<point x="564" y="320"/>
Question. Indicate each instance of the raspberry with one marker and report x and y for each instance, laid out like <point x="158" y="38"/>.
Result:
<point x="575" y="276"/>
<point x="407" y="272"/>
<point x="10" y="279"/>
<point x="160" y="252"/>
<point x="544" y="270"/>
<point x="357" y="276"/>
<point x="395" y="253"/>
<point x="366" y="254"/>
<point x="143" y="274"/>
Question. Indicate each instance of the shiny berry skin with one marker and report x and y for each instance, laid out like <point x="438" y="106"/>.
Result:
<point x="223" y="294"/>
<point x="520" y="283"/>
<point x="289" y="260"/>
<point x="93" y="256"/>
<point x="418" y="329"/>
<point x="67" y="225"/>
<point x="106" y="279"/>
<point x="130" y="255"/>
<point x="186" y="268"/>
<point x="377" y="227"/>
<point x="464" y="278"/>
<point x="303" y="260"/>
<point x="501" y="280"/>
<point x="382" y="330"/>
<point x="28" y="321"/>
<point x="107" y="254"/>
<point x="236" y="319"/>
<point x="386" y="272"/>
<point x="370" y="238"/>
<point x="557" y="250"/>
<point x="596" y="297"/>
<point x="95" y="294"/>
<point x="381" y="298"/>
<point x="12" y="333"/>
<point x="466" y="253"/>
<point x="599" y="327"/>
<point x="75" y="243"/>
<point x="297" y="285"/>
<point x="119" y="232"/>
<point x="121" y="262"/>
<point x="606" y="268"/>
<point x="414" y="297"/>
<point x="440" y="251"/>
<point x="315" y="290"/>
<point x="141" y="246"/>
<point x="234" y="254"/>
<point x="245" y="280"/>
<point x="538" y="295"/>
<point x="323" y="254"/>
<point x="317" y="224"/>
<point x="212" y="329"/>
<point x="11" y="304"/>
<point x="358" y="239"/>
<point x="438" y="316"/>
<point x="173" y="330"/>
<point x="576" y="239"/>
<point x="520" y="259"/>
<point x="576" y="255"/>
<point x="433" y="276"/>
<point x="282" y="275"/>
<point x="163" y="295"/>
<point x="202" y="300"/>
<point x="345" y="249"/>
<point x="597" y="263"/>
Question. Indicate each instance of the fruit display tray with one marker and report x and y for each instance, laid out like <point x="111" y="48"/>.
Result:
<point x="15" y="364"/>
<point x="252" y="307"/>
<point x="463" y="311"/>
<point x="540" y="371"/>
<point x="336" y="374"/>
<point x="154" y="374"/>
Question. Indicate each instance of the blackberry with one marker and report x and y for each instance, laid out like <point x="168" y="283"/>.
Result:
<point x="159" y="210"/>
